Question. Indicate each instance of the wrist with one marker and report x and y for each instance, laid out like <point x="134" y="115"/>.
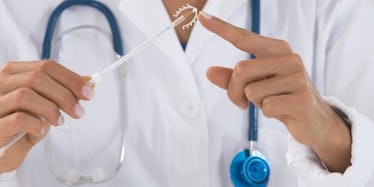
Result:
<point x="334" y="145"/>
<point x="336" y="131"/>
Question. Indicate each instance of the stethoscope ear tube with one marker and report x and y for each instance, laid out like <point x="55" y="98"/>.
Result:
<point x="74" y="176"/>
<point x="117" y="39"/>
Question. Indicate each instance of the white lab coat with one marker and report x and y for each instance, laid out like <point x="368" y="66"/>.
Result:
<point x="184" y="131"/>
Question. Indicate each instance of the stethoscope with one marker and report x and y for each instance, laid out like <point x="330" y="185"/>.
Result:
<point x="249" y="167"/>
<point x="46" y="54"/>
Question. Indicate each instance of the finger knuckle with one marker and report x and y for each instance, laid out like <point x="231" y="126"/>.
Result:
<point x="267" y="103"/>
<point x="257" y="103"/>
<point x="296" y="59"/>
<point x="267" y="113"/>
<point x="22" y="94"/>
<point x="308" y="99"/>
<point x="75" y="83"/>
<point x="240" y="67"/>
<point x="36" y="78"/>
<point x="7" y="67"/>
<point x="231" y="96"/>
<point x="45" y="64"/>
<point x="300" y="80"/>
<point x="19" y="118"/>
<point x="250" y="92"/>
<point x="267" y="107"/>
<point x="35" y="129"/>
<point x="68" y="100"/>
<point x="55" y="112"/>
<point x="283" y="44"/>
<point x="280" y="47"/>
<point x="236" y="98"/>
<point x="77" y="80"/>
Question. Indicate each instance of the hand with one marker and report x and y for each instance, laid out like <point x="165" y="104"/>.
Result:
<point x="31" y="97"/>
<point x="277" y="83"/>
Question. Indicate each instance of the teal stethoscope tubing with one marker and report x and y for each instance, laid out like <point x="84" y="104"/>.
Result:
<point x="253" y="111"/>
<point x="249" y="168"/>
<point x="118" y="48"/>
<point x="117" y="39"/>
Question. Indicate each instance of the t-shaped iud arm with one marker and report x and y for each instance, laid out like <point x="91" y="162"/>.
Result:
<point x="194" y="11"/>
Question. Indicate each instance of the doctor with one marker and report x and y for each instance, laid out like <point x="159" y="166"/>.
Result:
<point x="314" y="131"/>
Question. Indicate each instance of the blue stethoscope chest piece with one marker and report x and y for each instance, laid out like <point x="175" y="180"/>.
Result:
<point x="249" y="171"/>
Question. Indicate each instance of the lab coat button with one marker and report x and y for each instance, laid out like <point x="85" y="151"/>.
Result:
<point x="189" y="108"/>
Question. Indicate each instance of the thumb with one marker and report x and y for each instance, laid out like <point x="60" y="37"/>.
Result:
<point x="219" y="76"/>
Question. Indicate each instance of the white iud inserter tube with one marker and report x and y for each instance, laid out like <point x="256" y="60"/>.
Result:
<point x="11" y="143"/>
<point x="98" y="76"/>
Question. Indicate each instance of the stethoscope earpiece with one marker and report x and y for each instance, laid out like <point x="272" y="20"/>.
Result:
<point x="249" y="170"/>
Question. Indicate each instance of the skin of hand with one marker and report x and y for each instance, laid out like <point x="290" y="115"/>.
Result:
<point x="31" y="97"/>
<point x="278" y="84"/>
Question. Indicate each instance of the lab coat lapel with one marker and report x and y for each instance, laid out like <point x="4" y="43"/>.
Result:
<point x="149" y="21"/>
<point x="200" y="36"/>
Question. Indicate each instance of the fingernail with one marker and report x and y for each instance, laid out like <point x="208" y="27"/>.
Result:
<point x="87" y="91"/>
<point x="42" y="132"/>
<point x="79" y="110"/>
<point x="61" y="121"/>
<point x="206" y="15"/>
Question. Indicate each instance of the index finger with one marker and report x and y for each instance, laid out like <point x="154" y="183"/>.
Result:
<point x="244" y="40"/>
<point x="67" y="78"/>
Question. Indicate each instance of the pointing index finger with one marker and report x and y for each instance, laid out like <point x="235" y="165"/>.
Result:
<point x="243" y="39"/>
